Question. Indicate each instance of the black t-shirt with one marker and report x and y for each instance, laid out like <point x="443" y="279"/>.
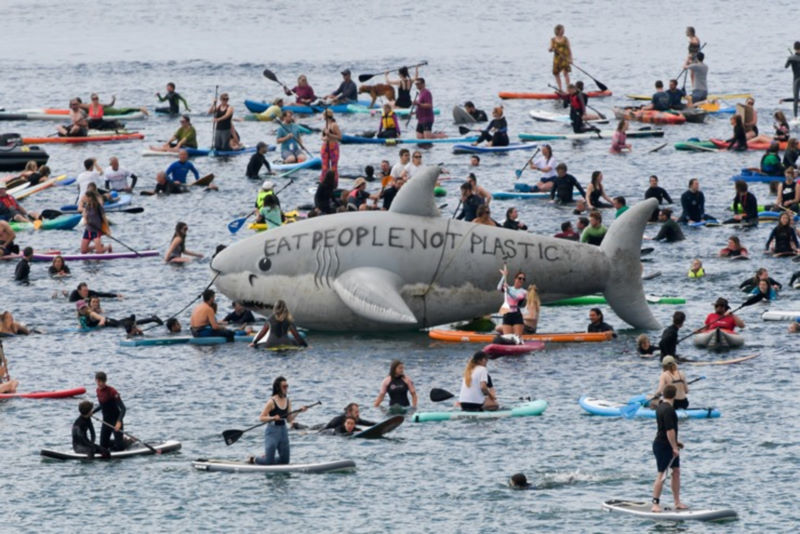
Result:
<point x="388" y="196"/>
<point x="667" y="419"/>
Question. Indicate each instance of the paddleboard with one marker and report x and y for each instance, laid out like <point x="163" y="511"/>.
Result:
<point x="357" y="139"/>
<point x="62" y="222"/>
<point x="642" y="509"/>
<point x="312" y="163"/>
<point x="600" y="299"/>
<point x="228" y="466"/>
<point x="401" y="112"/>
<point x="496" y="350"/>
<point x="381" y="429"/>
<point x="94" y="257"/>
<point x="600" y="134"/>
<point x="102" y="137"/>
<point x="724" y="362"/>
<point x="524" y="195"/>
<point x="549" y="116"/>
<point x="716" y="96"/>
<point x="57" y="394"/>
<point x="505" y="95"/>
<point x="137" y="449"/>
<point x="608" y="408"/>
<point x="470" y="149"/>
<point x="536" y="407"/>
<point x="124" y="200"/>
<point x="780" y="315"/>
<point x="180" y="340"/>
<point x="462" y="336"/>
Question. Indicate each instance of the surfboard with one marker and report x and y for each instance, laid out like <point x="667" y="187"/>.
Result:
<point x="381" y="429"/>
<point x="725" y="362"/>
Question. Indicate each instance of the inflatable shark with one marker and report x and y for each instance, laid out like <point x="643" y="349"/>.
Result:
<point x="409" y="268"/>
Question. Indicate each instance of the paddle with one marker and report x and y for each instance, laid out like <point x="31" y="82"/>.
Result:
<point x="629" y="410"/>
<point x="232" y="436"/>
<point x="588" y="127"/>
<point x="236" y="224"/>
<point x="600" y="85"/>
<point x="411" y="109"/>
<point x="268" y="74"/>
<point x="108" y="235"/>
<point x="134" y="438"/>
<point x="656" y="149"/>
<point x="749" y="302"/>
<point x="685" y="71"/>
<point x="518" y="172"/>
<point x="214" y="123"/>
<point x="463" y="130"/>
<point x="364" y="77"/>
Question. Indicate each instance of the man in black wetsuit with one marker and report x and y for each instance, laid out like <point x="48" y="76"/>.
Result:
<point x="174" y="100"/>
<point x="563" y="185"/>
<point x="167" y="187"/>
<point x="84" y="293"/>
<point x="23" y="268"/>
<point x="257" y="160"/>
<point x="670" y="231"/>
<point x="478" y="114"/>
<point x="657" y="192"/>
<point x="113" y="413"/>
<point x="351" y="410"/>
<point x="596" y="323"/>
<point x="83" y="434"/>
<point x="668" y="345"/>
<point x="693" y="202"/>
<point x="794" y="62"/>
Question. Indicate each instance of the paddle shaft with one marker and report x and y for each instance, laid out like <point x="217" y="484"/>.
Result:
<point x="268" y="74"/>
<point x="297" y="140"/>
<point x="411" y="109"/>
<point x="530" y="159"/>
<point x="213" y="119"/>
<point x="236" y="434"/>
<point x="155" y="451"/>
<point x="364" y="77"/>
<point x="600" y="85"/>
<point x="685" y="70"/>
<point x="754" y="299"/>
<point x="100" y="230"/>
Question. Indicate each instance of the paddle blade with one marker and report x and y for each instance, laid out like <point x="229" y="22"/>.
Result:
<point x="438" y="395"/>
<point x="236" y="225"/>
<point x="268" y="74"/>
<point x="518" y="173"/>
<point x="752" y="300"/>
<point x="50" y="214"/>
<point x="364" y="77"/>
<point x="629" y="410"/>
<point x="464" y="130"/>
<point x="600" y="85"/>
<point x="231" y="436"/>
<point x="137" y="209"/>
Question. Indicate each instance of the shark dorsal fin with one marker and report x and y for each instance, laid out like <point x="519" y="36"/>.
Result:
<point x="416" y="195"/>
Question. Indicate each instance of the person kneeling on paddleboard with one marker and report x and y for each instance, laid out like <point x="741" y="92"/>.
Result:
<point x="666" y="449"/>
<point x="722" y="317"/>
<point x="83" y="434"/>
<point x="477" y="392"/>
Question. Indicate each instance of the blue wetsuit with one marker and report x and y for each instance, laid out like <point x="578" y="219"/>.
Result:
<point x="178" y="170"/>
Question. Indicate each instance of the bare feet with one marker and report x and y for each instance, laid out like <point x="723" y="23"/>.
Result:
<point x="655" y="509"/>
<point x="681" y="506"/>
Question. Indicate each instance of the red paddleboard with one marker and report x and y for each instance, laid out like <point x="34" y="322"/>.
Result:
<point x="496" y="350"/>
<point x="45" y="394"/>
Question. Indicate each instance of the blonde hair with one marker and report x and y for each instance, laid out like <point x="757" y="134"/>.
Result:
<point x="641" y="339"/>
<point x="281" y="311"/>
<point x="534" y="302"/>
<point x="471" y="365"/>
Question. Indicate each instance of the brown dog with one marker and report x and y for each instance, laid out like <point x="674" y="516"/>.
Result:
<point x="379" y="89"/>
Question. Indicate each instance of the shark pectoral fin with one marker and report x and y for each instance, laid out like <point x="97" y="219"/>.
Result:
<point x="374" y="294"/>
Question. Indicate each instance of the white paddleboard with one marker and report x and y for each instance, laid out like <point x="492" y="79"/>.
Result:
<point x="642" y="509"/>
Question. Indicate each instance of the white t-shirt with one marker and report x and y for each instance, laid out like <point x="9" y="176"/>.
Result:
<point x="473" y="393"/>
<point x="412" y="169"/>
<point x="540" y="162"/>
<point x="117" y="180"/>
<point x="87" y="177"/>
<point x="398" y="169"/>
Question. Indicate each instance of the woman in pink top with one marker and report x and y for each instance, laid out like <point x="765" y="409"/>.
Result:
<point x="304" y="93"/>
<point x="620" y="138"/>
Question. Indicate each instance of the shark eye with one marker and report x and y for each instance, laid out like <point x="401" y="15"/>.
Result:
<point x="265" y="264"/>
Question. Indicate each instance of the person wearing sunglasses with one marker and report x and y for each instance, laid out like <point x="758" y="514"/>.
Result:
<point x="223" y="117"/>
<point x="276" y="413"/>
<point x="515" y="296"/>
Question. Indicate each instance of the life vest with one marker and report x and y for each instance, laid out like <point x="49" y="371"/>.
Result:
<point x="389" y="122"/>
<point x="699" y="274"/>
<point x="262" y="195"/>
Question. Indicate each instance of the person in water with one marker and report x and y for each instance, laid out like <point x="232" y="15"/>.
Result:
<point x="173" y="99"/>
<point x="670" y="232"/>
<point x="666" y="449"/>
<point x="351" y="411"/>
<point x="514" y="299"/>
<point x="9" y="326"/>
<point x="696" y="269"/>
<point x="477" y="393"/>
<point x="83" y="434"/>
<point x="278" y="327"/>
<point x="276" y="413"/>
<point x="239" y="316"/>
<point x="348" y="428"/>
<point x="177" y="247"/>
<point x="7" y="384"/>
<point x="398" y="386"/>
<point x="745" y="206"/>
<point x="734" y="248"/>
<point x="595" y="232"/>
<point x="257" y="160"/>
<point x="179" y="169"/>
<point x="478" y="114"/>
<point x="595" y="191"/>
<point x="767" y="292"/>
<point x="497" y="130"/>
<point x="110" y="403"/>
<point x="82" y="292"/>
<point x="567" y="232"/>
<point x="761" y="274"/>
<point x="668" y="344"/>
<point x="619" y="139"/>
<point x="693" y="202"/>
<point x="596" y="322"/>
<point x="782" y="240"/>
<point x="644" y="347"/>
<point x="563" y="185"/>
<point x="723" y="317"/>
<point x="23" y="269"/>
<point x="203" y="322"/>
<point x="519" y="481"/>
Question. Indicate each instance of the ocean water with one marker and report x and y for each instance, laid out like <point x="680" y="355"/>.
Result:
<point x="445" y="477"/>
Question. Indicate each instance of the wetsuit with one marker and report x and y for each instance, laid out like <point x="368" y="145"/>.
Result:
<point x="784" y="237"/>
<point x="22" y="271"/>
<point x="749" y="206"/>
<point x="739" y="139"/>
<point x="660" y="194"/>
<point x="694" y="206"/>
<point x="279" y="333"/>
<point x="178" y="170"/>
<point x="667" y="419"/>
<point x="479" y="115"/>
<point x="469" y="208"/>
<point x="170" y="188"/>
<point x="794" y="62"/>
<point x="771" y="164"/>
<point x="790" y="157"/>
<point x="514" y="300"/>
<point x="602" y="326"/>
<point x="255" y="163"/>
<point x="562" y="189"/>
<point x="577" y="108"/>
<point x="240" y="318"/>
<point x="74" y="296"/>
<point x="83" y="437"/>
<point x="174" y="100"/>
<point x="323" y="198"/>
<point x="397" y="389"/>
<point x="514" y="225"/>
<point x="788" y="191"/>
<point x="592" y="235"/>
<point x="388" y="195"/>
<point x="339" y="421"/>
<point x="113" y="411"/>
<point x="670" y="232"/>
<point x="668" y="345"/>
<point x="276" y="437"/>
<point x="748" y="285"/>
<point x="594" y="199"/>
<point x="500" y="135"/>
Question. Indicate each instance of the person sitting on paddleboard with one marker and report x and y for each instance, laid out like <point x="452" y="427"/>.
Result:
<point x="346" y="93"/>
<point x="398" y="386"/>
<point x="177" y="170"/>
<point x="166" y="187"/>
<point x="722" y="317"/>
<point x="177" y="247"/>
<point x="782" y="240"/>
<point x="666" y="449"/>
<point x="276" y="413"/>
<point x="184" y="137"/>
<point x="278" y="327"/>
<point x="693" y="203"/>
<point x="671" y="376"/>
<point x="7" y="384"/>
<point x="675" y="95"/>
<point x="389" y="126"/>
<point x="668" y="344"/>
<point x="788" y="192"/>
<point x="10" y="208"/>
<point x="514" y="299"/>
<point x="83" y="434"/>
<point x="478" y="114"/>
<point x="767" y="293"/>
<point x="174" y="100"/>
<point x="303" y="92"/>
<point x="477" y="393"/>
<point x="739" y="139"/>
<point x="734" y="248"/>
<point x="239" y="316"/>
<point x="545" y="163"/>
<point x="660" y="100"/>
<point x="563" y="185"/>
<point x="110" y="403"/>
<point x="351" y="410"/>
<point x="78" y="123"/>
<point x="288" y="136"/>
<point x="596" y="322"/>
<point x="203" y="322"/>
<point x="761" y="274"/>
<point x="669" y="232"/>
<point x="496" y="132"/>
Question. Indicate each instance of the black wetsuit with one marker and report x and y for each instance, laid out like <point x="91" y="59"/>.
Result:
<point x="174" y="100"/>
<point x="794" y="62"/>
<point x="240" y="318"/>
<point x="749" y="206"/>
<point x="562" y="189"/>
<point x="398" y="392"/>
<point x="500" y="135"/>
<point x="790" y="157"/>
<point x="668" y="345"/>
<point x="594" y="199"/>
<point x="783" y="236"/>
<point x="324" y="199"/>
<point x="83" y="437"/>
<point x="694" y="206"/>
<point x="74" y="296"/>
<point x="739" y="139"/>
<point x="479" y="115"/>
<point x="602" y="326"/>
<point x="670" y="232"/>
<point x="751" y="283"/>
<point x="113" y="411"/>
<point x="514" y="225"/>
<point x="388" y="195"/>
<point x="170" y="188"/>
<point x="469" y="208"/>
<point x="788" y="192"/>
<point x="340" y="419"/>
<point x="255" y="163"/>
<point x="22" y="271"/>
<point x="660" y="194"/>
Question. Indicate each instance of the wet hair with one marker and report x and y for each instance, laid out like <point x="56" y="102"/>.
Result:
<point x="598" y="311"/>
<point x="678" y="318"/>
<point x="208" y="294"/>
<point x="27" y="252"/>
<point x="561" y="166"/>
<point x="88" y="164"/>
<point x="509" y="211"/>
<point x="170" y="84"/>
<point x="350" y="406"/>
<point x="101" y="376"/>
<point x="595" y="177"/>
<point x="472" y="178"/>
<point x="797" y="45"/>
<point x="735" y="240"/>
<point x="654" y="176"/>
<point x="519" y="480"/>
<point x="565" y="226"/>
<point x="179" y="227"/>
<point x="583" y="220"/>
<point x="85" y="407"/>
<point x="44" y="170"/>
<point x="621" y="201"/>
<point x="281" y="311"/>
<point x="393" y="367"/>
<point x="171" y="322"/>
<point x="369" y="171"/>
<point x="667" y="212"/>
<point x="640" y="339"/>
<point x="700" y="56"/>
<point x="82" y="285"/>
<point x="276" y="386"/>
<point x="483" y="209"/>
<point x="691" y="181"/>
<point x="669" y="391"/>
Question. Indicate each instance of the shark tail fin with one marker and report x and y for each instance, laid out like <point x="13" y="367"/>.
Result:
<point x="622" y="245"/>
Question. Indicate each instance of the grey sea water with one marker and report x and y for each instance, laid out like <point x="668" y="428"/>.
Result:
<point x="447" y="477"/>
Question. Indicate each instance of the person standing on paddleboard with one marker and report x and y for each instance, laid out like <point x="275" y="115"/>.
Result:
<point x="276" y="413"/>
<point x="398" y="386"/>
<point x="562" y="55"/>
<point x="113" y="413"/>
<point x="514" y="300"/>
<point x="329" y="151"/>
<point x="666" y="449"/>
<point x="424" y="110"/>
<point x="477" y="392"/>
<point x="699" y="72"/>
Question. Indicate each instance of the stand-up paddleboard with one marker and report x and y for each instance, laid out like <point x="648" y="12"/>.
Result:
<point x="462" y="336"/>
<point x="243" y="467"/>
<point x="58" y="394"/>
<point x="549" y="116"/>
<point x="524" y="195"/>
<point x="95" y="257"/>
<point x="136" y="450"/>
<point x="728" y="361"/>
<point x="599" y="134"/>
<point x="526" y="409"/>
<point x="496" y="350"/>
<point x="381" y="429"/>
<point x="642" y="509"/>
<point x="614" y="409"/>
<point x="780" y="315"/>
<point x="471" y="149"/>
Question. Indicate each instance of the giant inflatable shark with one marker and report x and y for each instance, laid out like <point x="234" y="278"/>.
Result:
<point x="409" y="268"/>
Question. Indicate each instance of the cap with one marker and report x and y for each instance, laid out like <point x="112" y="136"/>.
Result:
<point x="359" y="182"/>
<point x="267" y="185"/>
<point x="346" y="72"/>
<point x="668" y="360"/>
<point x="81" y="304"/>
<point x="722" y="302"/>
